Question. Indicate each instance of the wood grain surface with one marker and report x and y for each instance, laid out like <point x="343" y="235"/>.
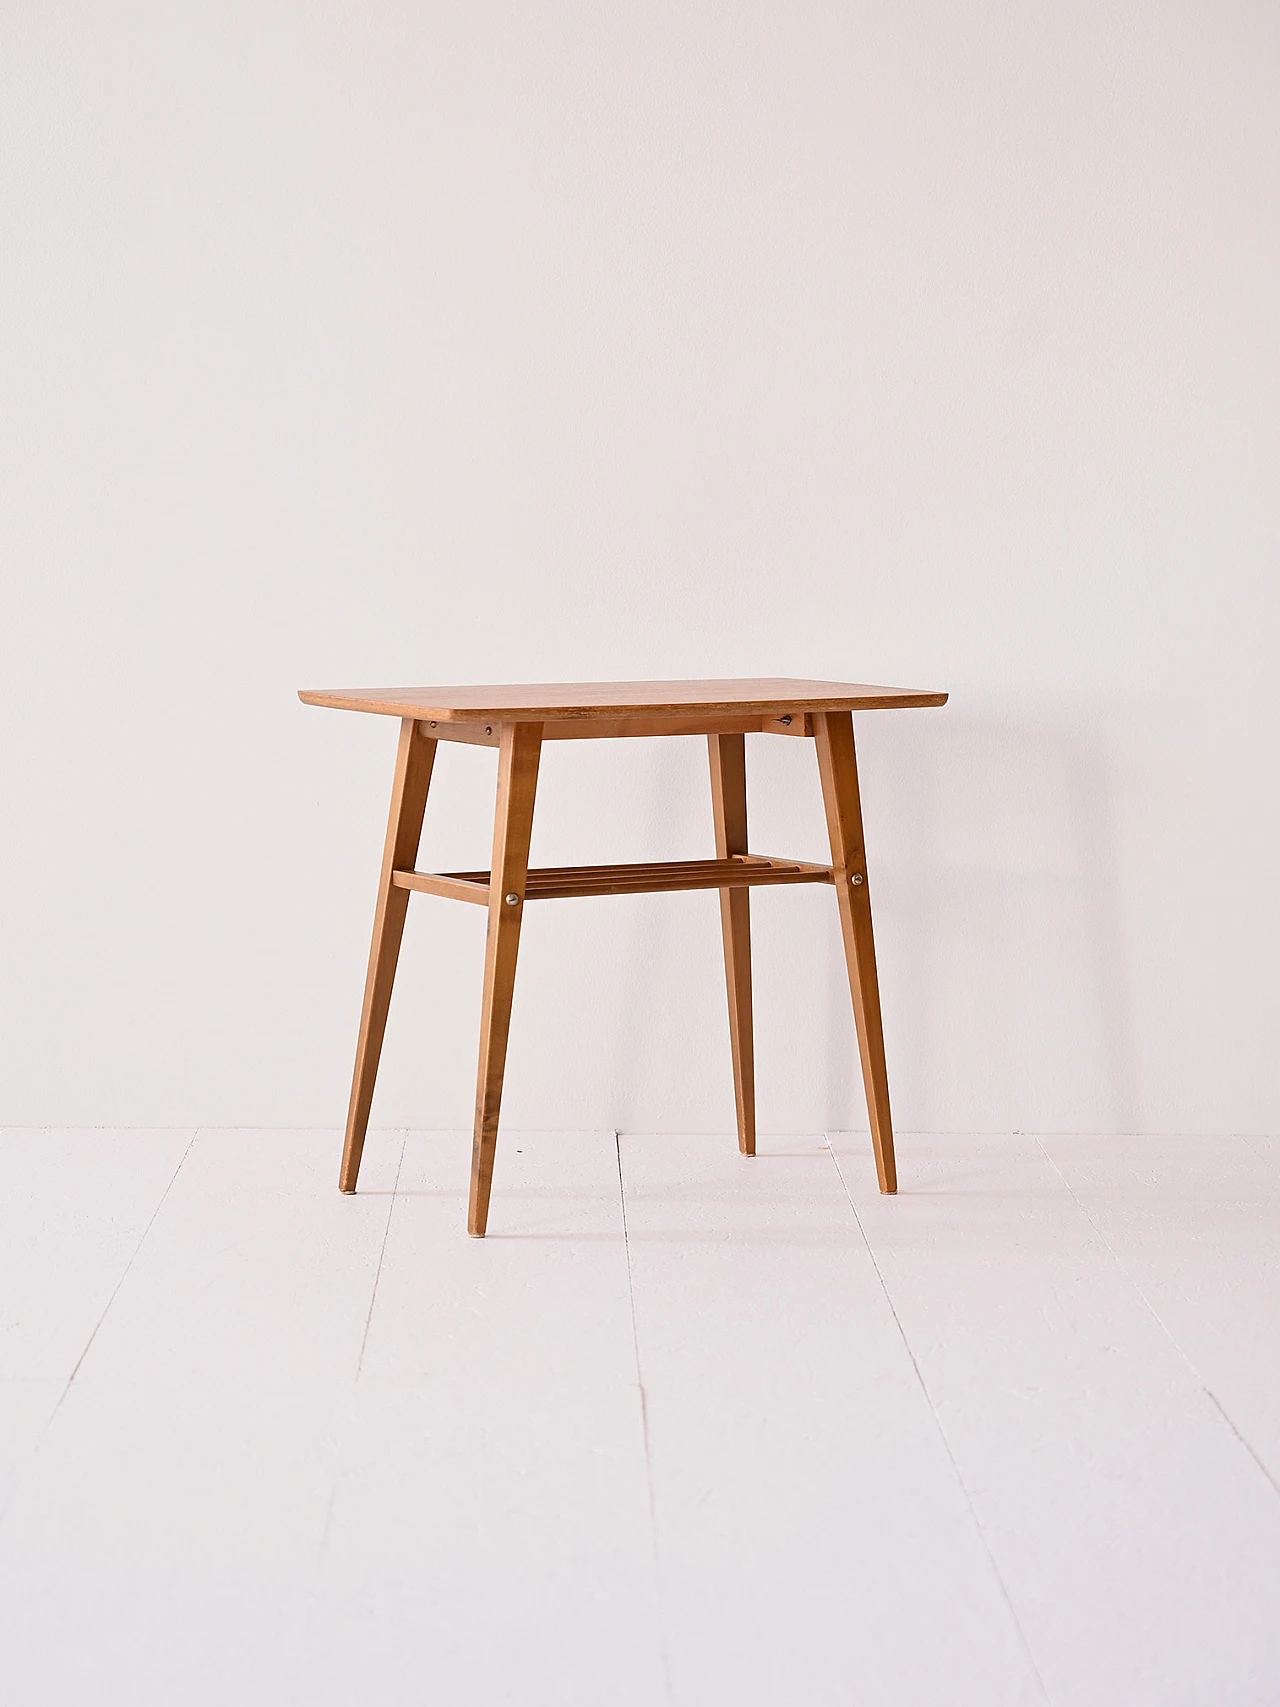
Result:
<point x="545" y="701"/>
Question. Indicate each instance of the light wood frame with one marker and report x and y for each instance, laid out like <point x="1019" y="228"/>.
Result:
<point x="509" y="884"/>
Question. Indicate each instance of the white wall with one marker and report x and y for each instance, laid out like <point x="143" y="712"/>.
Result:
<point x="932" y="344"/>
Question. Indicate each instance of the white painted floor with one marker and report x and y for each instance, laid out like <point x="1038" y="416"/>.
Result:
<point x="685" y="1428"/>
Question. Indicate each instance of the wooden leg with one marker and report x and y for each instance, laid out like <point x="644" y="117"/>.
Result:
<point x="729" y="803"/>
<point x="414" y="760"/>
<point x="838" y="767"/>
<point x="518" y="755"/>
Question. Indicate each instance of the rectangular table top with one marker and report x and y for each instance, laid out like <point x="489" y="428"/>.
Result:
<point x="536" y="702"/>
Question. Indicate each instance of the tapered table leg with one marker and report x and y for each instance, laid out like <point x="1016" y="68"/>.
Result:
<point x="729" y="804"/>
<point x="414" y="761"/>
<point x="838" y="767"/>
<point x="518" y="756"/>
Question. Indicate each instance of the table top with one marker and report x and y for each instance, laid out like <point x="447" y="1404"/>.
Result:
<point x="536" y="702"/>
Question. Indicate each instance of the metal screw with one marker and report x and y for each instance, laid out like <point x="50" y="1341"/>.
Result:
<point x="488" y="729"/>
<point x="857" y="878"/>
<point x="785" y="719"/>
<point x="433" y="725"/>
<point x="512" y="900"/>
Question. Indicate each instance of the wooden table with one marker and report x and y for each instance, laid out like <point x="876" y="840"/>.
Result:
<point x="517" y="719"/>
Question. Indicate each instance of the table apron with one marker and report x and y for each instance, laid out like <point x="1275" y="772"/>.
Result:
<point x="619" y="728"/>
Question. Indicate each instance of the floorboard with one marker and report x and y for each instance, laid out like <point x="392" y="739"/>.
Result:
<point x="814" y="1541"/>
<point x="686" y="1428"/>
<point x="72" y="1212"/>
<point x="161" y="1546"/>
<point x="1197" y="1229"/>
<point x="490" y="1536"/>
<point x="1138" y="1539"/>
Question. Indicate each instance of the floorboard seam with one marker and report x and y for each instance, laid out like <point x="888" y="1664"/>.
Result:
<point x="124" y="1274"/>
<point x="1160" y="1322"/>
<point x="644" y="1425"/>
<point x="364" y="1341"/>
<point x="1223" y="1413"/>
<point x="942" y="1433"/>
<point x="382" y="1252"/>
<point x="326" y="1529"/>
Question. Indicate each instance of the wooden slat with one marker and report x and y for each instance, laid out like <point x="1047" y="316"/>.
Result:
<point x="730" y="876"/>
<point x="549" y="871"/>
<point x="610" y="873"/>
<point x="452" y="888"/>
<point x="767" y="860"/>
<point x="554" y="883"/>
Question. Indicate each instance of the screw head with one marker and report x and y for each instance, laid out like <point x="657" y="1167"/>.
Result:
<point x="488" y="729"/>
<point x="785" y="719"/>
<point x="857" y="878"/>
<point x="512" y="900"/>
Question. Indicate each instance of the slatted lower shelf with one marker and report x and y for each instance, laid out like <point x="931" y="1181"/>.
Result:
<point x="559" y="882"/>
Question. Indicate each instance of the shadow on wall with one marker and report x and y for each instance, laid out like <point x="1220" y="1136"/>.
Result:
<point x="674" y="971"/>
<point x="1020" y="858"/>
<point x="997" y="850"/>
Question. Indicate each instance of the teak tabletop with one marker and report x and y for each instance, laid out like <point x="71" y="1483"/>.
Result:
<point x="517" y="719"/>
